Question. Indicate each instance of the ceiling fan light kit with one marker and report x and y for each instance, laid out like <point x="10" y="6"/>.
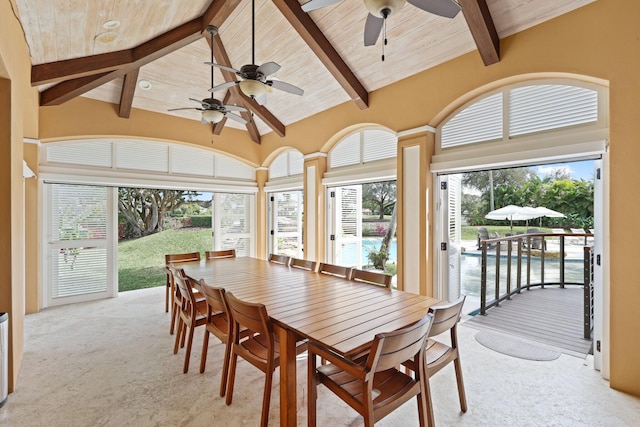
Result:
<point x="212" y="116"/>
<point x="383" y="8"/>
<point x="253" y="88"/>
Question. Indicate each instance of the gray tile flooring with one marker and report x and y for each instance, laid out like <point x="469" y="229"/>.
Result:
<point x="111" y="363"/>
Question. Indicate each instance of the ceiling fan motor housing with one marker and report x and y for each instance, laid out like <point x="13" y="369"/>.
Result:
<point x="214" y="104"/>
<point x="250" y="71"/>
<point x="383" y="8"/>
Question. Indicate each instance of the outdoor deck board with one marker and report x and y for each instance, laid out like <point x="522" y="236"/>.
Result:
<point x="550" y="316"/>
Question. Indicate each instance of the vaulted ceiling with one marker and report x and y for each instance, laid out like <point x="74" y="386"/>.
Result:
<point x="164" y="42"/>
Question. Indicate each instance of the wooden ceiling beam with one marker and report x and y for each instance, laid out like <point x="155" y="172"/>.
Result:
<point x="482" y="29"/>
<point x="127" y="92"/>
<point x="311" y="34"/>
<point x="52" y="72"/>
<point x="217" y="12"/>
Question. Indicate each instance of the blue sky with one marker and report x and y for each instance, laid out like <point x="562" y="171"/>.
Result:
<point x="577" y="170"/>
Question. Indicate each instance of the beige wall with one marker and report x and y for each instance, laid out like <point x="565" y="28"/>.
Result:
<point x="18" y="118"/>
<point x="598" y="41"/>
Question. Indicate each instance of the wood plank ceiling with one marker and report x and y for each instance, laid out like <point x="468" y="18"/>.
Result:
<point x="161" y="41"/>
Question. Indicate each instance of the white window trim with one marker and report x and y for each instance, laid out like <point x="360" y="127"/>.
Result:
<point x="381" y="170"/>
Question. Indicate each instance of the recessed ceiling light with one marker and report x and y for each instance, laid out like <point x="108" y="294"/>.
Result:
<point x="111" y="24"/>
<point x="144" y="84"/>
<point x="107" y="37"/>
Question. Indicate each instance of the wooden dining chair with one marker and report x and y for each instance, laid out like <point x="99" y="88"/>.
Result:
<point x="372" y="384"/>
<point x="175" y="258"/>
<point x="219" y="324"/>
<point x="371" y="277"/>
<point x="176" y="303"/>
<point x="335" y="270"/>
<point x="192" y="313"/>
<point x="261" y="348"/>
<point x="279" y="259"/>
<point x="438" y="354"/>
<point x="303" y="264"/>
<point x="227" y="253"/>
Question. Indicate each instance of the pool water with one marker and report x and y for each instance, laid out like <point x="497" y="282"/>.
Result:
<point x="471" y="270"/>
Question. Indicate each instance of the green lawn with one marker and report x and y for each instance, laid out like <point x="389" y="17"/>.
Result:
<point x="140" y="261"/>
<point x="470" y="232"/>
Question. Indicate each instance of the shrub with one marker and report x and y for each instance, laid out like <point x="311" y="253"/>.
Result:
<point x="200" y="221"/>
<point x="378" y="258"/>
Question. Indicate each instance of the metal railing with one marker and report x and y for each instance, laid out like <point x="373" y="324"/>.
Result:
<point x="522" y="248"/>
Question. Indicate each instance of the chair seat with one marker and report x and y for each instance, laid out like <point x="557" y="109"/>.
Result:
<point x="388" y="385"/>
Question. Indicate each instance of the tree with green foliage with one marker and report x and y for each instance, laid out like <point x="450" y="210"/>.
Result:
<point x="142" y="210"/>
<point x="378" y="196"/>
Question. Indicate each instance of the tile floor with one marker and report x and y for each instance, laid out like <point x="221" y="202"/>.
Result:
<point x="111" y="363"/>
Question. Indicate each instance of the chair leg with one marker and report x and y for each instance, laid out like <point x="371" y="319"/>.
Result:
<point x="313" y="390"/>
<point x="430" y="418"/>
<point x="232" y="377"/>
<point x="461" y="393"/>
<point x="183" y="331"/>
<point x="174" y="314"/>
<point x="205" y="348"/>
<point x="266" y="398"/>
<point x="178" y="336"/>
<point x="224" y="375"/>
<point x="187" y="354"/>
<point x="166" y="296"/>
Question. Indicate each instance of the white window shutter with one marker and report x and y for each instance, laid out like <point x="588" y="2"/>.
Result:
<point x="479" y="122"/>
<point x="378" y="145"/>
<point x="545" y="107"/>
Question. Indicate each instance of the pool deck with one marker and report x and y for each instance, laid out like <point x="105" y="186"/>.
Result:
<point x="572" y="249"/>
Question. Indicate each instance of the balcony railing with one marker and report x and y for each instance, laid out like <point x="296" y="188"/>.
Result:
<point x="523" y="248"/>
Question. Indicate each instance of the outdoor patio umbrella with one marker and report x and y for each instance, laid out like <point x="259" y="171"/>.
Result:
<point x="513" y="212"/>
<point x="548" y="213"/>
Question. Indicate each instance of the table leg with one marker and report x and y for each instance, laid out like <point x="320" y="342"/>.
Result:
<point x="288" y="404"/>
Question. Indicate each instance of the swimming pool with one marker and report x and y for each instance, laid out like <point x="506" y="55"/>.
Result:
<point x="471" y="270"/>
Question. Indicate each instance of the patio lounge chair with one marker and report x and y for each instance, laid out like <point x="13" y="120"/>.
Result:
<point x="536" y="242"/>
<point x="578" y="240"/>
<point x="483" y="234"/>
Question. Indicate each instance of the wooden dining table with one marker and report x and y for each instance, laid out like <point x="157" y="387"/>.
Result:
<point x="336" y="313"/>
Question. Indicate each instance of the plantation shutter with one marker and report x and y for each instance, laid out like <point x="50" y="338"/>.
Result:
<point x="349" y="226"/>
<point x="77" y="259"/>
<point x="478" y="122"/>
<point x="232" y="222"/>
<point x="545" y="107"/>
<point x="454" y="197"/>
<point x="287" y="233"/>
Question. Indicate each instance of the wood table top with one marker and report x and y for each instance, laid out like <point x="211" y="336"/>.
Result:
<point x="336" y="313"/>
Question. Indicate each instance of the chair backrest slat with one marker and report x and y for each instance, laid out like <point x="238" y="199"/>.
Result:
<point x="371" y="277"/>
<point x="228" y="253"/>
<point x="445" y="316"/>
<point x="303" y="264"/>
<point x="248" y="315"/>
<point x="335" y="270"/>
<point x="175" y="258"/>
<point x="279" y="259"/>
<point x="392" y="348"/>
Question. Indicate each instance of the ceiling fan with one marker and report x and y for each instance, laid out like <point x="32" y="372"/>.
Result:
<point x="213" y="110"/>
<point x="254" y="81"/>
<point x="380" y="10"/>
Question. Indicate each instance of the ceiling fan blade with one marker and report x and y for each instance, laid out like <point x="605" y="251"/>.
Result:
<point x="284" y="86"/>
<point x="317" y="4"/>
<point x="446" y="8"/>
<point x="223" y="67"/>
<point x="268" y="68"/>
<point x="235" y="118"/>
<point x="223" y="86"/>
<point x="262" y="100"/>
<point x="372" y="29"/>
<point x="182" y="108"/>
<point x="234" y="108"/>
